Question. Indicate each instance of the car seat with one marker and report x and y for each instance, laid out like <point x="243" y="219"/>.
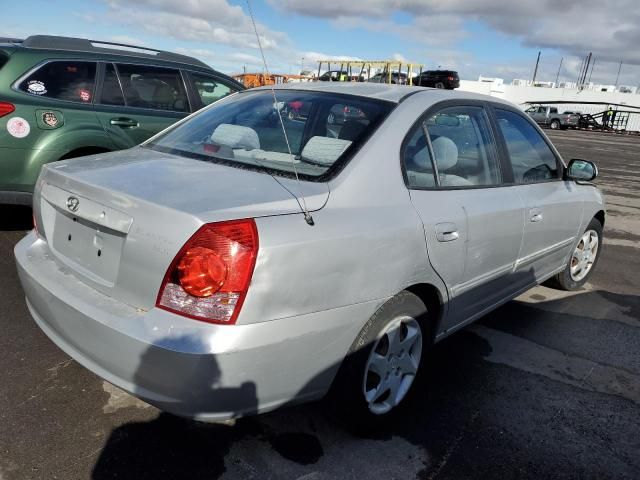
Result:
<point x="446" y="157"/>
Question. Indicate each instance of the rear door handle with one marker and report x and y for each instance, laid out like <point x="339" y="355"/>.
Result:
<point x="535" y="215"/>
<point x="124" y="122"/>
<point x="447" y="232"/>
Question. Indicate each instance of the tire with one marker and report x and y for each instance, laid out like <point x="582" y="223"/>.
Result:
<point x="572" y="277"/>
<point x="378" y="372"/>
<point x="554" y="125"/>
<point x="439" y="85"/>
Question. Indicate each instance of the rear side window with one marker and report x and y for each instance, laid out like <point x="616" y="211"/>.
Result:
<point x="452" y="148"/>
<point x="3" y="59"/>
<point x="531" y="158"/>
<point x="210" y="89"/>
<point x="157" y="88"/>
<point x="62" y="80"/>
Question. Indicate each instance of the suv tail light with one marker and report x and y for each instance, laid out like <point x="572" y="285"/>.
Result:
<point x="6" y="108"/>
<point x="450" y="78"/>
<point x="209" y="278"/>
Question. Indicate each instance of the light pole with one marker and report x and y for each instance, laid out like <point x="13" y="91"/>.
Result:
<point x="301" y="65"/>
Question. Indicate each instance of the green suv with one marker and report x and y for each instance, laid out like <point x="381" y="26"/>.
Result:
<point x="68" y="97"/>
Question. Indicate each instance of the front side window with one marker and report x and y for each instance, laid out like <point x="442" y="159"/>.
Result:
<point x="157" y="88"/>
<point x="62" y="80"/>
<point x="453" y="147"/>
<point x="246" y="130"/>
<point x="531" y="158"/>
<point x="210" y="89"/>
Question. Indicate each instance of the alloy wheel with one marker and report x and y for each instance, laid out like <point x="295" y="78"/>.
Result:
<point x="392" y="364"/>
<point x="584" y="255"/>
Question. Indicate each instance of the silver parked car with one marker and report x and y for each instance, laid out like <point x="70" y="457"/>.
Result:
<point x="213" y="274"/>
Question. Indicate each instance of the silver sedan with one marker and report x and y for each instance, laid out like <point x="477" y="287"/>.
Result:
<point x="245" y="259"/>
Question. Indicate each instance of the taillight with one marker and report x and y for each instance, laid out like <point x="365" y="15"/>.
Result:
<point x="209" y="278"/>
<point x="6" y="108"/>
<point x="450" y="79"/>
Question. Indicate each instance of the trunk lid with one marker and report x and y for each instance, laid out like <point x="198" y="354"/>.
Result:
<point x="117" y="220"/>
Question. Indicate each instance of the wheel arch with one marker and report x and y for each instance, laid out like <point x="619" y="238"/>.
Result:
<point x="434" y="300"/>
<point x="600" y="216"/>
<point x="83" y="151"/>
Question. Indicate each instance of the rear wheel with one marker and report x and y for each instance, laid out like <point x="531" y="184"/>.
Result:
<point x="439" y="85"/>
<point x="554" y="125"/>
<point x="583" y="259"/>
<point x="384" y="360"/>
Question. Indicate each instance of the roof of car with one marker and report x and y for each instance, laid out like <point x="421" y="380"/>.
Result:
<point x="381" y="91"/>
<point x="51" y="42"/>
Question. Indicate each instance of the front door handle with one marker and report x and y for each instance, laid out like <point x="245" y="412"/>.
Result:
<point x="124" y="122"/>
<point x="535" y="215"/>
<point x="447" y="232"/>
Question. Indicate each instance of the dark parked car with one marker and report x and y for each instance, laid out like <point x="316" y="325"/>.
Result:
<point x="448" y="79"/>
<point x="66" y="97"/>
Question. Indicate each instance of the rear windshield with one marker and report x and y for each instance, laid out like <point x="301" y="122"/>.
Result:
<point x="322" y="131"/>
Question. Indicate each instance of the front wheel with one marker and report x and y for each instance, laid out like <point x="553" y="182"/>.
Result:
<point x="384" y="360"/>
<point x="583" y="259"/>
<point x="555" y="125"/>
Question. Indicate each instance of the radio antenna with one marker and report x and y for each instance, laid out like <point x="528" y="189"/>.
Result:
<point x="307" y="216"/>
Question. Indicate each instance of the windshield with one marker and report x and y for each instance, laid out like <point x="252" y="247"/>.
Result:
<point x="243" y="130"/>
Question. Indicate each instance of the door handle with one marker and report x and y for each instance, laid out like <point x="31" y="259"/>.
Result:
<point x="535" y="215"/>
<point x="123" y="122"/>
<point x="447" y="232"/>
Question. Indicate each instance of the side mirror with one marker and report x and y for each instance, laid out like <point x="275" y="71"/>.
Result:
<point x="581" y="170"/>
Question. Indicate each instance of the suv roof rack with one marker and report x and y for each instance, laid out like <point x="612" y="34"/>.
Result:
<point x="51" y="42"/>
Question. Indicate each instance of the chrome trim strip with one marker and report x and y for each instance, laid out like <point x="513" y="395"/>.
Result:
<point x="545" y="251"/>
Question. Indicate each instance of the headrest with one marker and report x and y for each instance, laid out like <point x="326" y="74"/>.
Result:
<point x="324" y="150"/>
<point x="352" y="130"/>
<point x="163" y="94"/>
<point x="235" y="136"/>
<point x="446" y="153"/>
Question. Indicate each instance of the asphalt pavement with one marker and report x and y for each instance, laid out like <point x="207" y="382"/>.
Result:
<point x="548" y="386"/>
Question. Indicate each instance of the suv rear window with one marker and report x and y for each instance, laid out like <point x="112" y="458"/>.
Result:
<point x="244" y="130"/>
<point x="62" y="80"/>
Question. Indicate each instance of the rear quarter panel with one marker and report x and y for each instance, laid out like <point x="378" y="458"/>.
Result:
<point x="22" y="158"/>
<point x="368" y="242"/>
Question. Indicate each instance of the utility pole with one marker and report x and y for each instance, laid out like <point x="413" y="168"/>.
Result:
<point x="618" y="75"/>
<point x="580" y="74"/>
<point x="301" y="65"/>
<point x="585" y="70"/>
<point x="558" y="75"/>
<point x="535" y="72"/>
<point x="592" y="67"/>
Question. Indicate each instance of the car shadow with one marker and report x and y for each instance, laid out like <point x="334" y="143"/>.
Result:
<point x="15" y="218"/>
<point x="470" y="417"/>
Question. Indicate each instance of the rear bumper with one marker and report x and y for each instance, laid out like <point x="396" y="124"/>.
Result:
<point x="186" y="367"/>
